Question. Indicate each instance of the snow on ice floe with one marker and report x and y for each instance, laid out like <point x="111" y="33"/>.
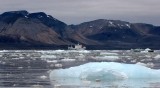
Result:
<point x="104" y="71"/>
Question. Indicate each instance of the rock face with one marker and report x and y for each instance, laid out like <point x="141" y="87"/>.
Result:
<point x="22" y="29"/>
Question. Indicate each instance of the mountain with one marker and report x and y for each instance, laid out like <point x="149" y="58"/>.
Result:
<point x="116" y="34"/>
<point x="21" y="26"/>
<point x="21" y="29"/>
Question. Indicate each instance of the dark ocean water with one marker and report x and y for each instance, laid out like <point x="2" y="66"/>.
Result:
<point x="31" y="68"/>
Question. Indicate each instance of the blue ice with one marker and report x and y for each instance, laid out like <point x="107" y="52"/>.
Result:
<point x="103" y="71"/>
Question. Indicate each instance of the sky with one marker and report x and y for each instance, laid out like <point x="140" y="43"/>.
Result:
<point x="78" y="11"/>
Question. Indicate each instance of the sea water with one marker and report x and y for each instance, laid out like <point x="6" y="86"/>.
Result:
<point x="79" y="69"/>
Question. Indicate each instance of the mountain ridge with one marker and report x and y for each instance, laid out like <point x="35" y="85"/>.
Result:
<point x="42" y="30"/>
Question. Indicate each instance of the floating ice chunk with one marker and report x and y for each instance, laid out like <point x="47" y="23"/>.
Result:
<point x="68" y="60"/>
<point x="58" y="65"/>
<point x="157" y="57"/>
<point x="84" y="51"/>
<point x="60" y="51"/>
<point x="148" y="56"/>
<point x="57" y="86"/>
<point x="80" y="51"/>
<point x="15" y="58"/>
<point x="150" y="64"/>
<point x="134" y="61"/>
<point x="107" y="53"/>
<point x="54" y="51"/>
<point x="20" y="67"/>
<point x="110" y="58"/>
<point x="36" y="86"/>
<point x="105" y="71"/>
<point x="48" y="56"/>
<point x="43" y="77"/>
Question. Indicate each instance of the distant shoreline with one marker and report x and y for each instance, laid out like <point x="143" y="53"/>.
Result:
<point x="65" y="47"/>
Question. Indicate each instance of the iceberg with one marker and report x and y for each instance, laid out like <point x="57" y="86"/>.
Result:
<point x="104" y="71"/>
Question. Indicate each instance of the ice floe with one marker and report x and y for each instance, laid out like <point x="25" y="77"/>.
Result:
<point x="157" y="57"/>
<point x="104" y="71"/>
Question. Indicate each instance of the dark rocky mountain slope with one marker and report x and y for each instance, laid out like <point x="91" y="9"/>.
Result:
<point x="21" y="29"/>
<point x="33" y="28"/>
<point x="115" y="34"/>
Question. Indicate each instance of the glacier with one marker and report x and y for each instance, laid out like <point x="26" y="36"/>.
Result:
<point x="104" y="71"/>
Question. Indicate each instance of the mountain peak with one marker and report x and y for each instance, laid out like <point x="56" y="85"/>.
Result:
<point x="22" y="12"/>
<point x="38" y="15"/>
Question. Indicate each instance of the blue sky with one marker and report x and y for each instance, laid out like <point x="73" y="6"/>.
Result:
<point x="77" y="11"/>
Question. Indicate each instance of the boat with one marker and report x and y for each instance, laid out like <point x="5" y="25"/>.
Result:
<point x="76" y="47"/>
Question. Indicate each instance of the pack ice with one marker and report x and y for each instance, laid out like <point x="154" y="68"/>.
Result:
<point x="103" y="71"/>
